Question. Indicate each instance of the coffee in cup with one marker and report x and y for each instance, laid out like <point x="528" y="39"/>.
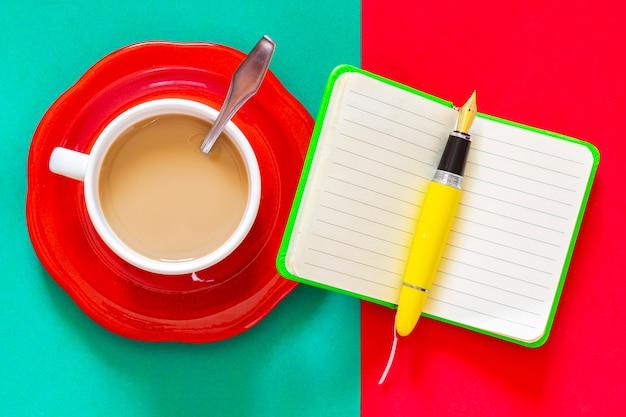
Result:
<point x="155" y="199"/>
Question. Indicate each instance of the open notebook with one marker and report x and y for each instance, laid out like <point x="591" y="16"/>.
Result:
<point x="374" y="149"/>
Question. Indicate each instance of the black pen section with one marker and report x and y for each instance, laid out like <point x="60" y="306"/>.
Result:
<point x="455" y="153"/>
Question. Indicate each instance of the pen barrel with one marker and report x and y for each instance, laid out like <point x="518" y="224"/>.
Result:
<point x="433" y="228"/>
<point x="455" y="153"/>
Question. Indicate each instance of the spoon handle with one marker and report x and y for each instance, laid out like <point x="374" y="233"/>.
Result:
<point x="245" y="83"/>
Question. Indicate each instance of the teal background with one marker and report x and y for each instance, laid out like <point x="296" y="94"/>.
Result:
<point x="303" y="359"/>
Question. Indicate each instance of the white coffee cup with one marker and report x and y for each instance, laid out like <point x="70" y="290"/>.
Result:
<point x="87" y="168"/>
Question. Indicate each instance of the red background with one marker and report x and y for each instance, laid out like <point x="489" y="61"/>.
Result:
<point x="554" y="65"/>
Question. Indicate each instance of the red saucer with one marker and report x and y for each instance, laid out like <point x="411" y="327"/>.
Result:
<point x="223" y="300"/>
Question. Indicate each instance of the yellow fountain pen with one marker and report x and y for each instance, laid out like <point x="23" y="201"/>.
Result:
<point x="435" y="220"/>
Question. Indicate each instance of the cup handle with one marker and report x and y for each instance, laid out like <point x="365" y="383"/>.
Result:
<point x="68" y="163"/>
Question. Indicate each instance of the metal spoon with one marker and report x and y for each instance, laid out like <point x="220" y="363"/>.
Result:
<point x="245" y="83"/>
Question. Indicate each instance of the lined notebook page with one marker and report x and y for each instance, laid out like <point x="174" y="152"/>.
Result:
<point x="378" y="148"/>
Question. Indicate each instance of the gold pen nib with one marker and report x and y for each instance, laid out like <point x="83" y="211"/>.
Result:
<point x="466" y="115"/>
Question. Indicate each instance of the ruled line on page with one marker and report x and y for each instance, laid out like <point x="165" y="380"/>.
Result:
<point x="513" y="218"/>
<point x="534" y="150"/>
<point x="508" y="232"/>
<point x="342" y="242"/>
<point x="384" y="148"/>
<point x="527" y="193"/>
<point x="527" y="163"/>
<point x="505" y="260"/>
<point x="494" y="287"/>
<point x="496" y="271"/>
<point x="373" y="236"/>
<point x="481" y="313"/>
<point x="391" y="226"/>
<point x="354" y="200"/>
<point x="346" y="258"/>
<point x="487" y="300"/>
<point x="373" y="160"/>
<point x="393" y="120"/>
<point x="369" y="174"/>
<point x="382" y="100"/>
<point x="364" y="188"/>
<point x="507" y="172"/>
<point x="502" y="244"/>
<point x="356" y="277"/>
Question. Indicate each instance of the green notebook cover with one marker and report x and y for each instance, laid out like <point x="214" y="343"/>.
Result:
<point x="325" y="112"/>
